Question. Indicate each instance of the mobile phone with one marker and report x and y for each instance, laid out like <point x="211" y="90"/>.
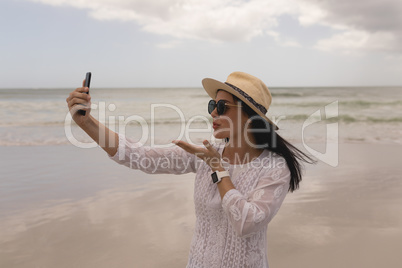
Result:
<point x="87" y="84"/>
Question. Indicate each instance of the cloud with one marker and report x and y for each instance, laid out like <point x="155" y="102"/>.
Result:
<point x="291" y="43"/>
<point x="211" y="20"/>
<point x="169" y="44"/>
<point x="364" y="26"/>
<point x="369" y="15"/>
<point x="355" y="40"/>
<point x="369" y="25"/>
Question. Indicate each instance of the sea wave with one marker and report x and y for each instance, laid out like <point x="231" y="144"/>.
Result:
<point x="46" y="142"/>
<point x="37" y="117"/>
<point x="347" y="119"/>
<point x="353" y="104"/>
<point x="361" y="103"/>
<point x="286" y="94"/>
<point x="32" y="124"/>
<point x="161" y="121"/>
<point x="176" y="121"/>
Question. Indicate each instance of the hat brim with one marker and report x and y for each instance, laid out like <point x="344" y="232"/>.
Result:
<point x="212" y="86"/>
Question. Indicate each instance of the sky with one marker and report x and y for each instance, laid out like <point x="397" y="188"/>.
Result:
<point x="177" y="43"/>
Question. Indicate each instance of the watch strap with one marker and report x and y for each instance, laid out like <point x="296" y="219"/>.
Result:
<point x="218" y="175"/>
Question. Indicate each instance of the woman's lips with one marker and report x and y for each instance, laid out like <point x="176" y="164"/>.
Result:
<point x="215" y="125"/>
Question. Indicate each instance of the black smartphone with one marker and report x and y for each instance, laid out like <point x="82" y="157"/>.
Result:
<point x="87" y="84"/>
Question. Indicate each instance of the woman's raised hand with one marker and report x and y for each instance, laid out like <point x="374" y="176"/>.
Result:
<point x="208" y="153"/>
<point x="79" y="100"/>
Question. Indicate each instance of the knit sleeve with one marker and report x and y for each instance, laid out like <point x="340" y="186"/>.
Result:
<point x="171" y="160"/>
<point x="252" y="212"/>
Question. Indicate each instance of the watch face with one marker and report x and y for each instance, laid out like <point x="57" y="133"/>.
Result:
<point x="214" y="177"/>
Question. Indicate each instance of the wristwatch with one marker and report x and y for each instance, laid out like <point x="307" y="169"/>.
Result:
<point x="218" y="175"/>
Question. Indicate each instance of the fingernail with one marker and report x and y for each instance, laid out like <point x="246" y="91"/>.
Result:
<point x="175" y="141"/>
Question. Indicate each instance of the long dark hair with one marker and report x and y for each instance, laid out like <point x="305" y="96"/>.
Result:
<point x="267" y="138"/>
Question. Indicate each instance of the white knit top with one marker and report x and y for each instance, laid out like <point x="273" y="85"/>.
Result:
<point x="228" y="233"/>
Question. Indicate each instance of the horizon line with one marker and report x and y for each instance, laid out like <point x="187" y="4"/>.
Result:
<point x="194" y="87"/>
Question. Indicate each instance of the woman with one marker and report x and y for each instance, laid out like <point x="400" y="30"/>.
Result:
<point x="239" y="185"/>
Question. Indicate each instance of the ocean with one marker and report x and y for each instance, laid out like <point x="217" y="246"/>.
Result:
<point x="64" y="204"/>
<point x="38" y="117"/>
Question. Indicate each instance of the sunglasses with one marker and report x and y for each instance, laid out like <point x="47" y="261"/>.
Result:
<point x="220" y="106"/>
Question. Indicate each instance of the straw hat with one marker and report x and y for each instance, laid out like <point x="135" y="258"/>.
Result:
<point x="247" y="88"/>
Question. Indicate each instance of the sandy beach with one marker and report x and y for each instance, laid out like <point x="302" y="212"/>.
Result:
<point x="323" y="75"/>
<point x="90" y="212"/>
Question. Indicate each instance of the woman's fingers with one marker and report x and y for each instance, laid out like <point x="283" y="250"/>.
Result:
<point x="82" y="89"/>
<point x="79" y="104"/>
<point x="208" y="146"/>
<point x="78" y="93"/>
<point x="209" y="154"/>
<point x="77" y="97"/>
<point x="76" y="101"/>
<point x="212" y="151"/>
<point x="201" y="152"/>
<point x="79" y="100"/>
<point x="196" y="149"/>
<point x="186" y="146"/>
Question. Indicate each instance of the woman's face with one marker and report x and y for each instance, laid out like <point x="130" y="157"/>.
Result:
<point x="231" y="123"/>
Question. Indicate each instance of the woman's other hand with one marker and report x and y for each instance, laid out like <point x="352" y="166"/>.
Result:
<point x="208" y="153"/>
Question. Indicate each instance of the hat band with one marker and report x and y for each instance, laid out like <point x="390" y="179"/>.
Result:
<point x="250" y="99"/>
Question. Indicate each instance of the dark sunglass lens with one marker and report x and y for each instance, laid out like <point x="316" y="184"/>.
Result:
<point x="221" y="107"/>
<point x="211" y="106"/>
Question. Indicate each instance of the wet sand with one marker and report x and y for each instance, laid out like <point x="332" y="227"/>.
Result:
<point x="349" y="216"/>
<point x="110" y="216"/>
